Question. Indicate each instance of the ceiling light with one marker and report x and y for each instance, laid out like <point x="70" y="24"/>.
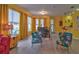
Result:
<point x="43" y="12"/>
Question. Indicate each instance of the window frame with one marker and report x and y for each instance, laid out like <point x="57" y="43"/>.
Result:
<point x="12" y="21"/>
<point x="29" y="24"/>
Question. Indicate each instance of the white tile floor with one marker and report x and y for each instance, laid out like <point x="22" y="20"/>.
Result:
<point x="48" y="47"/>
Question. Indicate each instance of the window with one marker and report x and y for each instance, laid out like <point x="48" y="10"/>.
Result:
<point x="42" y="22"/>
<point x="14" y="18"/>
<point x="29" y="21"/>
<point x="37" y="24"/>
<point x="52" y="25"/>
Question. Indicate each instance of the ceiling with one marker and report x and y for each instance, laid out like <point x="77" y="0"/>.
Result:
<point x="52" y="9"/>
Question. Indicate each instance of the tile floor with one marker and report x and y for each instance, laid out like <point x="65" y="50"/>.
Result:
<point x="48" y="47"/>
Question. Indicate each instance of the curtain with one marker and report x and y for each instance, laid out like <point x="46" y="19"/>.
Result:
<point x="21" y="26"/>
<point x="33" y="24"/>
<point x="25" y="26"/>
<point x="4" y="18"/>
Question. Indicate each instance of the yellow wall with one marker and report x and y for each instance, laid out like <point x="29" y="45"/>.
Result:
<point x="56" y="23"/>
<point x="47" y="21"/>
<point x="75" y="30"/>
